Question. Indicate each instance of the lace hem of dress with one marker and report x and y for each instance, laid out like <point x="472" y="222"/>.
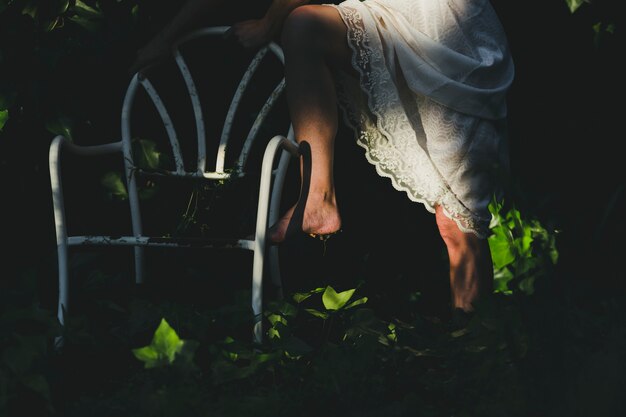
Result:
<point x="372" y="129"/>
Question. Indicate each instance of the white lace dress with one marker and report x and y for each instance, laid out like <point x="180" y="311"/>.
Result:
<point x="429" y="108"/>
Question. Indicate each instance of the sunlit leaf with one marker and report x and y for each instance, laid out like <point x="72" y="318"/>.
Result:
<point x="167" y="341"/>
<point x="355" y="303"/>
<point x="163" y="349"/>
<point x="317" y="313"/>
<point x="148" y="355"/>
<point x="333" y="300"/>
<point x="273" y="333"/>
<point x="276" y="318"/>
<point x="500" y="247"/>
<point x="301" y="296"/>
<point x="501" y="278"/>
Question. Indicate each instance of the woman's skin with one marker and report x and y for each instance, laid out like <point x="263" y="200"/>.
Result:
<point x="314" y="42"/>
<point x="250" y="33"/>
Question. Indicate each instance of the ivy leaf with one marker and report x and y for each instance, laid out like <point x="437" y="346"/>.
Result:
<point x="147" y="155"/>
<point x="355" y="303"/>
<point x="276" y="318"/>
<point x="61" y="125"/>
<point x="86" y="11"/>
<point x="301" y="296"/>
<point x="501" y="278"/>
<point x="574" y="4"/>
<point x="4" y="116"/>
<point x="164" y="347"/>
<point x="113" y="182"/>
<point x="500" y="247"/>
<point x="317" y="313"/>
<point x="333" y="300"/>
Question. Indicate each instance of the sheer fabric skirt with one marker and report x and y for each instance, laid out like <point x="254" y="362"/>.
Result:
<point x="429" y="107"/>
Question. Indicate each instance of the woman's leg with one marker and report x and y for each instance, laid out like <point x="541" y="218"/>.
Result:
<point x="314" y="41"/>
<point x="471" y="268"/>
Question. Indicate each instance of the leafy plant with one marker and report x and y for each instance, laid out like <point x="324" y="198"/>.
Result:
<point x="26" y="334"/>
<point x="147" y="157"/>
<point x="163" y="349"/>
<point x="331" y="300"/>
<point x="523" y="250"/>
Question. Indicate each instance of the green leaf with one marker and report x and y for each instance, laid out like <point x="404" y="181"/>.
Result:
<point x="4" y="116"/>
<point x="301" y="296"/>
<point x="500" y="247"/>
<point x="114" y="183"/>
<point x="287" y="310"/>
<point x="147" y="155"/>
<point x="164" y="347"/>
<point x="148" y="193"/>
<point x="148" y="355"/>
<point x="527" y="285"/>
<point x="84" y="10"/>
<point x="573" y="5"/>
<point x="317" y="313"/>
<point x="357" y="302"/>
<point x="276" y="318"/>
<point x="273" y="333"/>
<point x="167" y="341"/>
<point x="333" y="300"/>
<point x="501" y="278"/>
<point x="61" y="125"/>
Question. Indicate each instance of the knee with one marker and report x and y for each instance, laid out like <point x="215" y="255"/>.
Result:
<point x="303" y="30"/>
<point x="452" y="236"/>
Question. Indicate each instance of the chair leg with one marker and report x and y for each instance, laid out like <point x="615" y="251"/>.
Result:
<point x="257" y="295"/>
<point x="63" y="300"/>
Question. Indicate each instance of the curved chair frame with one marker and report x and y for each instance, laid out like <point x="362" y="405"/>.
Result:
<point x="270" y="186"/>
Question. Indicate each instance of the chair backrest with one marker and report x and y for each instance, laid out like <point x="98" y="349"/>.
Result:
<point x="239" y="125"/>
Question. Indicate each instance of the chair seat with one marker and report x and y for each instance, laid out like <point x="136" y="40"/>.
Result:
<point x="147" y="241"/>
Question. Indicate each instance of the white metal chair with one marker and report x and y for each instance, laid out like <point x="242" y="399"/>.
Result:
<point x="272" y="175"/>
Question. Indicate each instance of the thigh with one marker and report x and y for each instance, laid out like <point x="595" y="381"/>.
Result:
<point x="324" y="25"/>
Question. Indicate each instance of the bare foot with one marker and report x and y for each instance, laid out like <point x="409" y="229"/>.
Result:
<point x="321" y="216"/>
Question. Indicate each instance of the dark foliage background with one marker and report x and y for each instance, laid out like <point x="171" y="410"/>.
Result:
<point x="64" y="70"/>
